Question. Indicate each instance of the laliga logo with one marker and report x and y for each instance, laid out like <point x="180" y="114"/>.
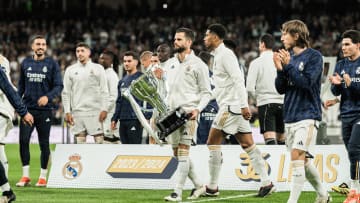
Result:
<point x="73" y="168"/>
<point x="249" y="174"/>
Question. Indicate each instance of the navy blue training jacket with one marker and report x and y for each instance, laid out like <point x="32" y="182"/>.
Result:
<point x="300" y="81"/>
<point x="350" y="96"/>
<point x="11" y="94"/>
<point x="37" y="79"/>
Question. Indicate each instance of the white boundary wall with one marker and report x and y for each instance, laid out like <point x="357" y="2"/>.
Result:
<point x="95" y="160"/>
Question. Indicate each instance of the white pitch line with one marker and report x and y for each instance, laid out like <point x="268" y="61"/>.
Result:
<point x="222" y="198"/>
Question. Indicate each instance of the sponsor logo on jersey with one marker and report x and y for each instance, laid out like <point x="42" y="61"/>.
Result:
<point x="137" y="166"/>
<point x="355" y="79"/>
<point x="35" y="77"/>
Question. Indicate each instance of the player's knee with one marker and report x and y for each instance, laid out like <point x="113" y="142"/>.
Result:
<point x="99" y="139"/>
<point x="80" y="139"/>
<point x="182" y="155"/>
<point x="181" y="152"/>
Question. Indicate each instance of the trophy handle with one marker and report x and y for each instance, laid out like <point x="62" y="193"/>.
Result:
<point x="137" y="109"/>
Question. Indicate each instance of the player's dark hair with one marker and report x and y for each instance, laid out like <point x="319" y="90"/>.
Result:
<point x="189" y="34"/>
<point x="114" y="59"/>
<point x="268" y="40"/>
<point x="354" y="35"/>
<point x="37" y="37"/>
<point x="133" y="54"/>
<point x="218" y="29"/>
<point x="83" y="44"/>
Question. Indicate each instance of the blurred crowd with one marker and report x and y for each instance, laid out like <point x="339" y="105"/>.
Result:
<point x="123" y="33"/>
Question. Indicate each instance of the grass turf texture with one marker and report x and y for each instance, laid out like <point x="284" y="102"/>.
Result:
<point x="46" y="195"/>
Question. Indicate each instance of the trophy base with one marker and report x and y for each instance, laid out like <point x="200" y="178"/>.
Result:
<point x="171" y="122"/>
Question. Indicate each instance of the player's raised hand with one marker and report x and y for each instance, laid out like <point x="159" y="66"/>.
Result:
<point x="277" y="61"/>
<point x="335" y="79"/>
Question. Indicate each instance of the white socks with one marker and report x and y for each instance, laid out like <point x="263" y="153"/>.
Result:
<point x="25" y="170"/>
<point x="43" y="173"/>
<point x="258" y="163"/>
<point x="215" y="162"/>
<point x="5" y="187"/>
<point x="192" y="175"/>
<point x="182" y="170"/>
<point x="355" y="185"/>
<point x="4" y="160"/>
<point x="312" y="175"/>
<point x="298" y="179"/>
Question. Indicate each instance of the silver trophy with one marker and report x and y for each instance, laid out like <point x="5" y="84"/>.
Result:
<point x="146" y="88"/>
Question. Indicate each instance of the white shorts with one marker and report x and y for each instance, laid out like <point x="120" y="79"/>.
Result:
<point x="301" y="135"/>
<point x="5" y="127"/>
<point x="90" y="125"/>
<point x="183" y="135"/>
<point x="231" y="123"/>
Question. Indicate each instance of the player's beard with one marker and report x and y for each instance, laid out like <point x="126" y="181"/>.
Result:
<point x="179" y="49"/>
<point x="39" y="54"/>
<point x="209" y="46"/>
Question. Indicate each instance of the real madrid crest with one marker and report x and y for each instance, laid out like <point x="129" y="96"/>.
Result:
<point x="301" y="66"/>
<point x="73" y="168"/>
<point x="358" y="70"/>
<point x="44" y="69"/>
